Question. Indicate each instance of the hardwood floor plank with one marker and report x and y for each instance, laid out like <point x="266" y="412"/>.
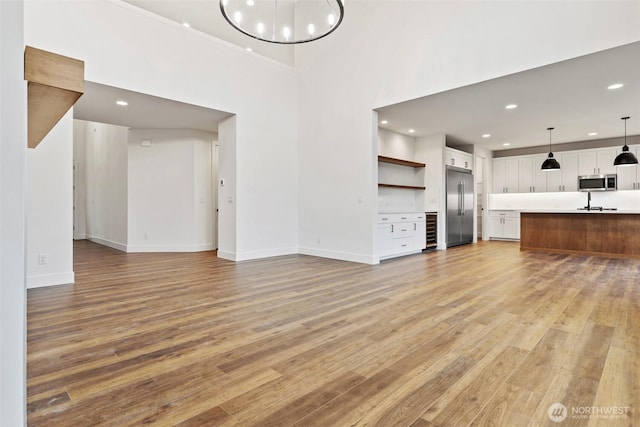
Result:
<point x="537" y="370"/>
<point x="209" y="418"/>
<point x="352" y="405"/>
<point x="619" y="390"/>
<point x="511" y="406"/>
<point x="406" y="408"/>
<point x="464" y="408"/>
<point x="480" y="334"/>
<point x="310" y="402"/>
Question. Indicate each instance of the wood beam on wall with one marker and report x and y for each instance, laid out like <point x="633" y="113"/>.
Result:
<point x="56" y="82"/>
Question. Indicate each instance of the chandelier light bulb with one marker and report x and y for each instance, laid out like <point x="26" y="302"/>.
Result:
<point x="283" y="21"/>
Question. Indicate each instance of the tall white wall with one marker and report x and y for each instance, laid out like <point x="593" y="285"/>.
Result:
<point x="105" y="148"/>
<point x="79" y="179"/>
<point x="391" y="51"/>
<point x="126" y="47"/>
<point x="50" y="207"/>
<point x="392" y="144"/>
<point x="227" y="179"/>
<point x="169" y="191"/>
<point x="13" y="156"/>
<point x="430" y="150"/>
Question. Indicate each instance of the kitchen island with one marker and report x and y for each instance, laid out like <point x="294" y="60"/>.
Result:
<point x="604" y="233"/>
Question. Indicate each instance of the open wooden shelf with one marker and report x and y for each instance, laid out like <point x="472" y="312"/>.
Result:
<point x="409" y="187"/>
<point x="400" y="162"/>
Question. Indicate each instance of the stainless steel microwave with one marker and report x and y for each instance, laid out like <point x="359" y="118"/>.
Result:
<point x="598" y="182"/>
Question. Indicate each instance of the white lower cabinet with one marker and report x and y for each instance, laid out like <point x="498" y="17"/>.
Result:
<point x="401" y="234"/>
<point x="505" y="225"/>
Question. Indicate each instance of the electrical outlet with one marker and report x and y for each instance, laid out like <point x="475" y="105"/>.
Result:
<point x="43" y="259"/>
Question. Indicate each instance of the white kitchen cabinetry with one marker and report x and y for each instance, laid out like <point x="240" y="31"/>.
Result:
<point x="458" y="158"/>
<point x="566" y="179"/>
<point x="531" y="178"/>
<point x="401" y="234"/>
<point x="596" y="162"/>
<point x="504" y="225"/>
<point x="629" y="176"/>
<point x="505" y="175"/>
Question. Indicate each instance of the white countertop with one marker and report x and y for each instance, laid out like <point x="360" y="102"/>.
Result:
<point x="570" y="211"/>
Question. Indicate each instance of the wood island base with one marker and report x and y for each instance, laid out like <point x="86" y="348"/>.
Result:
<point x="610" y="234"/>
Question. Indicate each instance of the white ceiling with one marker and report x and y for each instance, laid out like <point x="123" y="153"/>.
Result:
<point x="571" y="96"/>
<point x="205" y="16"/>
<point x="98" y="104"/>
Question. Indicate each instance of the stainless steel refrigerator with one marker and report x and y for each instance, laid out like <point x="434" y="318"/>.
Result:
<point x="460" y="206"/>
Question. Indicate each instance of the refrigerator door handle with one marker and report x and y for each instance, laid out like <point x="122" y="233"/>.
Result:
<point x="462" y="208"/>
<point x="460" y="198"/>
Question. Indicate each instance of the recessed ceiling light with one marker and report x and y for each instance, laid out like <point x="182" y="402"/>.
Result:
<point x="506" y="144"/>
<point x="250" y="2"/>
<point x="615" y="86"/>
<point x="249" y="49"/>
<point x="186" y="24"/>
<point x="511" y="106"/>
<point x="592" y="133"/>
<point x="384" y="122"/>
<point x="122" y="103"/>
<point x="412" y="130"/>
<point x="486" y="135"/>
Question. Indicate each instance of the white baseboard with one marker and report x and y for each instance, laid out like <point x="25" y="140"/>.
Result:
<point x="42" y="280"/>
<point x="246" y="256"/>
<point x="342" y="256"/>
<point x="115" y="245"/>
<point x="169" y="248"/>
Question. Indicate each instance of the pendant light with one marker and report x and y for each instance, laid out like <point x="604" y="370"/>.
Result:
<point x="284" y="21"/>
<point x="550" y="164"/>
<point x="626" y="158"/>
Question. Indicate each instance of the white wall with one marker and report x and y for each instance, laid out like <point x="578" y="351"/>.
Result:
<point x="392" y="144"/>
<point x="169" y="191"/>
<point x="152" y="55"/>
<point x="105" y="148"/>
<point x="430" y="150"/>
<point x="50" y="207"/>
<point x="401" y="50"/>
<point x="13" y="153"/>
<point x="79" y="180"/>
<point x="227" y="179"/>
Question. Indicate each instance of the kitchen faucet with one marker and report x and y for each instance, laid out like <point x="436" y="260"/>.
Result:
<point x="588" y="200"/>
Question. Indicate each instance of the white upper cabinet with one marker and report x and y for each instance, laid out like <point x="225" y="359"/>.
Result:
<point x="531" y="178"/>
<point x="629" y="176"/>
<point x="566" y="179"/>
<point x="505" y="175"/>
<point x="458" y="158"/>
<point x="596" y="162"/>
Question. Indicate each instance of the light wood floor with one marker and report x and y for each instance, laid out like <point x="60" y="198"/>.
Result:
<point x="477" y="335"/>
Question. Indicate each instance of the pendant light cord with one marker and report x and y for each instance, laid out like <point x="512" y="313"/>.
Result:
<point x="625" y="132"/>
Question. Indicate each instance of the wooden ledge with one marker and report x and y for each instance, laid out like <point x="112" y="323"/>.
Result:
<point x="55" y="84"/>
